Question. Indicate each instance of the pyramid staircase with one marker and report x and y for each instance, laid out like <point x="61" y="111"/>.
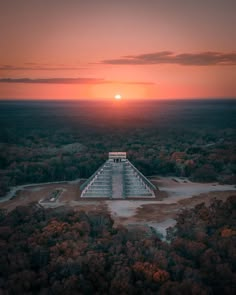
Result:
<point x="118" y="180"/>
<point x="99" y="184"/>
<point x="135" y="184"/>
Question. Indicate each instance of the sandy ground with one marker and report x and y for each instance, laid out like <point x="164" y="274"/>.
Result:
<point x="174" y="195"/>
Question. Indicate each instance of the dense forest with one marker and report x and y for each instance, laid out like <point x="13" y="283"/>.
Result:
<point x="61" y="251"/>
<point x="52" y="141"/>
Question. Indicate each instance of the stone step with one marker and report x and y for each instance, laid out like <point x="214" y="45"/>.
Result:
<point x="118" y="180"/>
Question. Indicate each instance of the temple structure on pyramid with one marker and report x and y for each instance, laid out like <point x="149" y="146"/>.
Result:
<point x="117" y="178"/>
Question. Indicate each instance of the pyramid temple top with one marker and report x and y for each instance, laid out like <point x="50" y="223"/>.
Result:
<point x="117" y="155"/>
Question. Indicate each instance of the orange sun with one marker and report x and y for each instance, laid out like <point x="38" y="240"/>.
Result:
<point x="117" y="96"/>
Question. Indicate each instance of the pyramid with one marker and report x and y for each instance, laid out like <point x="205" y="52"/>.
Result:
<point x="117" y="178"/>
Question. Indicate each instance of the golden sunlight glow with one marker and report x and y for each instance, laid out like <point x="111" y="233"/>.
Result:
<point x="118" y="96"/>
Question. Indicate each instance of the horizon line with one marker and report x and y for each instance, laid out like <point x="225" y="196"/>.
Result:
<point x="111" y="99"/>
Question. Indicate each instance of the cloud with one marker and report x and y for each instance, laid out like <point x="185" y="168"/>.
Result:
<point x="133" y="83"/>
<point x="69" y="81"/>
<point x="37" y="67"/>
<point x="208" y="58"/>
<point x="53" y="80"/>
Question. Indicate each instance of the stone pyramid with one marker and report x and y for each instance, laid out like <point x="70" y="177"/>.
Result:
<point x="117" y="178"/>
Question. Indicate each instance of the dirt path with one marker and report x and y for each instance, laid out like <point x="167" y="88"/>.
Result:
<point x="174" y="195"/>
<point x="180" y="193"/>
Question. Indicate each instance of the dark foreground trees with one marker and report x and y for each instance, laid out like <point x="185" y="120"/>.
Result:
<point x="67" y="252"/>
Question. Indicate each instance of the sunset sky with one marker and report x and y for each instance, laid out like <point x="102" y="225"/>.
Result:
<point x="95" y="49"/>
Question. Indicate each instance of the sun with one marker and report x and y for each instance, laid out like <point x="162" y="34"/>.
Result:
<point x="118" y="96"/>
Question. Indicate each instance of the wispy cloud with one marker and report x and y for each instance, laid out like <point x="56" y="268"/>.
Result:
<point x="69" y="81"/>
<point x="37" y="67"/>
<point x="54" y="80"/>
<point x="208" y="58"/>
<point x="133" y="83"/>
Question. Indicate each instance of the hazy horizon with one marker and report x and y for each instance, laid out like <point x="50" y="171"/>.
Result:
<point x="123" y="100"/>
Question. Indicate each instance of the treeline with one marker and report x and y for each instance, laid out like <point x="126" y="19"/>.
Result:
<point x="60" y="251"/>
<point x="43" y="142"/>
<point x="44" y="157"/>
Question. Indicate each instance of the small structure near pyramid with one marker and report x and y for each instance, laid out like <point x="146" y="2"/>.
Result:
<point x="117" y="178"/>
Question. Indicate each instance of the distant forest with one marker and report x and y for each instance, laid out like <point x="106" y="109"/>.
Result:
<point x="60" y="251"/>
<point x="53" y="141"/>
